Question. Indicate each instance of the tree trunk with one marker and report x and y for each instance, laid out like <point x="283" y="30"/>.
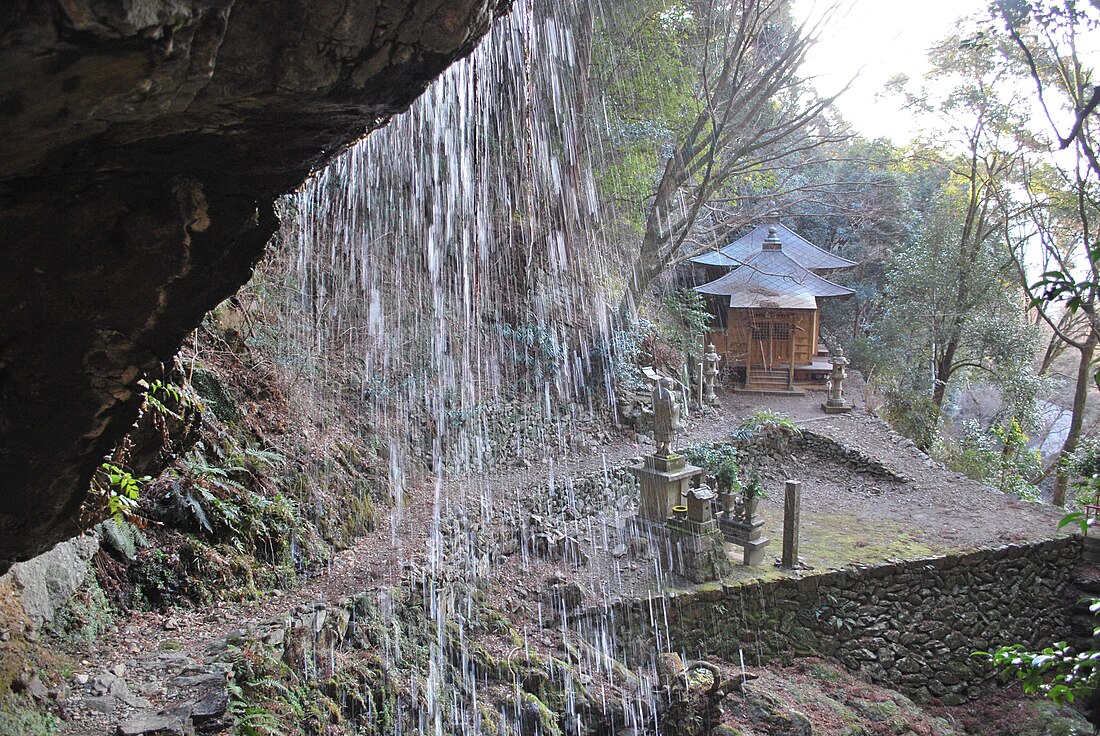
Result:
<point x="1080" y="395"/>
<point x="943" y="373"/>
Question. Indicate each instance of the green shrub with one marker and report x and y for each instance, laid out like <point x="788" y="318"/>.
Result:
<point x="728" y="477"/>
<point x="1084" y="468"/>
<point x="998" y="456"/>
<point x="914" y="415"/>
<point x="711" y="457"/>
<point x="767" y="425"/>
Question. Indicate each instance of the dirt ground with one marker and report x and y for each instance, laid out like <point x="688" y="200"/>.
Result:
<point x="847" y="518"/>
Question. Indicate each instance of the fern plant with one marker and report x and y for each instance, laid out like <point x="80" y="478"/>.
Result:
<point x="120" y="490"/>
<point x="158" y="394"/>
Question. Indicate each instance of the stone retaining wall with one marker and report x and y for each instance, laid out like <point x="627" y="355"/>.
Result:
<point x="849" y="456"/>
<point x="909" y="625"/>
<point x="514" y="432"/>
<point x="760" y="450"/>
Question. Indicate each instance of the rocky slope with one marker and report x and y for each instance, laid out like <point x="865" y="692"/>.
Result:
<point x="142" y="143"/>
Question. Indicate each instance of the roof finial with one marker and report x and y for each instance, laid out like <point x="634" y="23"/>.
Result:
<point x="772" y="241"/>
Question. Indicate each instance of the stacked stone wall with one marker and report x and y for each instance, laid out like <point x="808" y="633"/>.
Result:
<point x="910" y="625"/>
<point x="760" y="450"/>
<point x="516" y="432"/>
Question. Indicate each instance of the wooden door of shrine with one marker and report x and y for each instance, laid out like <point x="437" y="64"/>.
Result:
<point x="771" y="338"/>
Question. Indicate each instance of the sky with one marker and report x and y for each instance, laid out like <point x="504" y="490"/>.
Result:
<point x="878" y="39"/>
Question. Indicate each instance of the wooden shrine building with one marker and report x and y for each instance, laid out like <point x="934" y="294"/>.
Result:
<point x="766" y="291"/>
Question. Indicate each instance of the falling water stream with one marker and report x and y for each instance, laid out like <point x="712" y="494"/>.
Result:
<point x="447" y="268"/>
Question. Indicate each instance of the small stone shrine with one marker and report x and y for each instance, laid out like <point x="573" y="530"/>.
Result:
<point x="696" y="542"/>
<point x="676" y="512"/>
<point x="836" y="404"/>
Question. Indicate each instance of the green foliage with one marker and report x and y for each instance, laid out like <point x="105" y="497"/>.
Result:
<point x="711" y="457"/>
<point x="215" y="394"/>
<point x="973" y="453"/>
<point x="768" y="426"/>
<point x="1084" y="465"/>
<point x="122" y="537"/>
<point x="998" y="456"/>
<point x="1077" y="518"/>
<point x="1057" y="672"/>
<point x="624" y="354"/>
<point x="691" y="320"/>
<point x="911" y="413"/>
<point x="720" y="462"/>
<point x="644" y="72"/>
<point x="118" y="490"/>
<point x="1017" y="464"/>
<point x="535" y="350"/>
<point x="257" y="680"/>
<point x="728" y="477"/>
<point x="755" y="487"/>
<point x="157" y="395"/>
<point x="160" y="580"/>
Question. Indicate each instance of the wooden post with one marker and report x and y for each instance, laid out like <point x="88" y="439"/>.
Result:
<point x="748" y="353"/>
<point x="792" y="502"/>
<point x="790" y="352"/>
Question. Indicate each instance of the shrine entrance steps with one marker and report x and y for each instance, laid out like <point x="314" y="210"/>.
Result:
<point x="769" y="381"/>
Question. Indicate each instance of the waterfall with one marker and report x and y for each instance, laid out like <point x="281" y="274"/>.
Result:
<point x="449" y="261"/>
<point x="446" y="265"/>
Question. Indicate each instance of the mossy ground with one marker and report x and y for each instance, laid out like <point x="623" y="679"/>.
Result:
<point x="19" y="717"/>
<point x="834" y="541"/>
<point x="827" y="542"/>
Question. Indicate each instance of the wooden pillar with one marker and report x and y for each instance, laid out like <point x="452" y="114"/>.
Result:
<point x="748" y="342"/>
<point x="790" y="351"/>
<point x="813" y="338"/>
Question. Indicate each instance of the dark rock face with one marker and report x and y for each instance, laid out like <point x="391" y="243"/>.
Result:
<point x="142" y="144"/>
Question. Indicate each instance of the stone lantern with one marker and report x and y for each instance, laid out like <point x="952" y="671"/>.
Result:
<point x="836" y="404"/>
<point x="710" y="373"/>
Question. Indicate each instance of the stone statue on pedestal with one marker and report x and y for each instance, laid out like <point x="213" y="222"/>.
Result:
<point x="666" y="416"/>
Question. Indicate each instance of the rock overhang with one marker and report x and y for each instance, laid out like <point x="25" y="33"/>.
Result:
<point x="142" y="146"/>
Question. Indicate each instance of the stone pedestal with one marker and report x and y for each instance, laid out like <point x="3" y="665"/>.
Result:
<point x="664" y="481"/>
<point x="840" y="406"/>
<point x="688" y="543"/>
<point x="695" y="550"/>
<point x="747" y="535"/>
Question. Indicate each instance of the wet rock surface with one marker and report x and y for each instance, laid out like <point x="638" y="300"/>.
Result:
<point x="142" y="146"/>
<point x="155" y="693"/>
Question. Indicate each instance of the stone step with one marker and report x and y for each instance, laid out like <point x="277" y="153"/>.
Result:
<point x="775" y="391"/>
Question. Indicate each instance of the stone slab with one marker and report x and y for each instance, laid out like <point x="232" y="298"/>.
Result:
<point x="754" y="552"/>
